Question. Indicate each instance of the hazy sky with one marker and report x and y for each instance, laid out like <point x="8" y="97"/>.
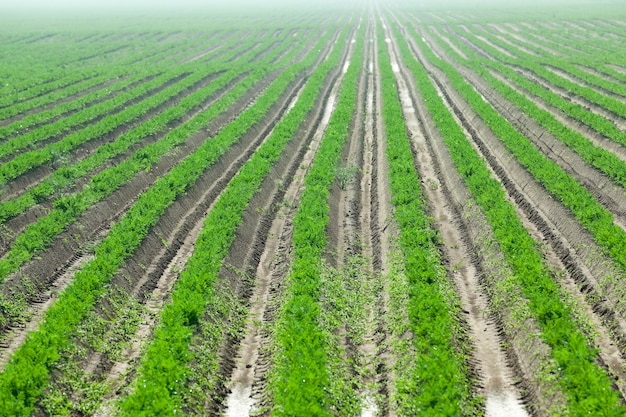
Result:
<point x="159" y="4"/>
<point x="156" y="5"/>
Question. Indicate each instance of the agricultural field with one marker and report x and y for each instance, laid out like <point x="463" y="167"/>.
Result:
<point x="374" y="210"/>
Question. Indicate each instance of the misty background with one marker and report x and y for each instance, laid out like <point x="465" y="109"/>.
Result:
<point x="75" y="15"/>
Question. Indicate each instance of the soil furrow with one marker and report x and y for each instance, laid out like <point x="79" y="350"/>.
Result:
<point x="548" y="222"/>
<point x="271" y="261"/>
<point x="491" y="364"/>
<point x="68" y="245"/>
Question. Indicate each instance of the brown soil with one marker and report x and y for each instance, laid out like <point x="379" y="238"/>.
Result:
<point x="549" y="222"/>
<point x="494" y="370"/>
<point x="68" y="246"/>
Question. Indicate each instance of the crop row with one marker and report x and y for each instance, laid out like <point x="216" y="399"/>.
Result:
<point x="437" y="336"/>
<point x="165" y="370"/>
<point x="596" y="156"/>
<point x="566" y="64"/>
<point x="38" y="235"/>
<point x="576" y="360"/>
<point x="27" y="373"/>
<point x="589" y="212"/>
<point x="27" y="161"/>
<point x="305" y="354"/>
<point x="593" y="96"/>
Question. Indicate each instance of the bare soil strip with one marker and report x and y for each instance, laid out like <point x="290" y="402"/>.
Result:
<point x="491" y="364"/>
<point x="612" y="196"/>
<point x="549" y="222"/>
<point x="69" y="245"/>
<point x="270" y="259"/>
<point x="617" y="120"/>
<point x="617" y="68"/>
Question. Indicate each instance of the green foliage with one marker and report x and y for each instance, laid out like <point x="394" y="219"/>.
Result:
<point x="577" y="360"/>
<point x="436" y="380"/>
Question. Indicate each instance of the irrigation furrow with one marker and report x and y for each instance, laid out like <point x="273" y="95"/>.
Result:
<point x="497" y="376"/>
<point x="550" y="223"/>
<point x="96" y="220"/>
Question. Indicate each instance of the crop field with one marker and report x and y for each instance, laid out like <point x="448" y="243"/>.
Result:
<point x="366" y="211"/>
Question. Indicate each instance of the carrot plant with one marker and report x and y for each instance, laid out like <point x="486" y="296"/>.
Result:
<point x="164" y="372"/>
<point x="576" y="359"/>
<point x="438" y="339"/>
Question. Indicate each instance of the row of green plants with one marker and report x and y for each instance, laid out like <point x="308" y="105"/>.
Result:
<point x="37" y="236"/>
<point x="572" y="65"/>
<point x="147" y="96"/>
<point x="90" y="115"/>
<point x="94" y="113"/>
<point x="54" y="185"/>
<point x="118" y="72"/>
<point x="57" y="95"/>
<point x="100" y="92"/>
<point x="586" y="384"/>
<point x="569" y="63"/>
<point x="46" y="82"/>
<point x="612" y="104"/>
<point x="600" y="158"/>
<point x="165" y="374"/>
<point x="25" y="376"/>
<point x="438" y="340"/>
<point x="306" y="376"/>
<point x="38" y="69"/>
<point x="162" y="93"/>
<point x="587" y="210"/>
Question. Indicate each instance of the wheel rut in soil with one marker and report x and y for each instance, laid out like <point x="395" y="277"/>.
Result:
<point x="491" y="364"/>
<point x="268" y="258"/>
<point x="69" y="246"/>
<point x="549" y="222"/>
